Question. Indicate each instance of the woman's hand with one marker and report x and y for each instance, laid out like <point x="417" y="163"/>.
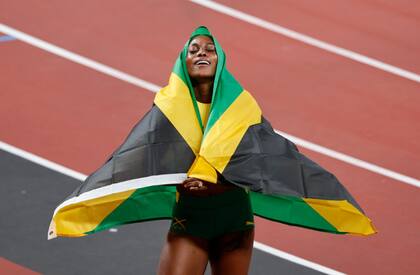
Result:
<point x="194" y="184"/>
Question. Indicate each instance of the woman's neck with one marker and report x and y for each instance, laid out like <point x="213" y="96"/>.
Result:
<point x="203" y="91"/>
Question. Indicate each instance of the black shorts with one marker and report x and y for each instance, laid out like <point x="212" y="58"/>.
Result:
<point x="212" y="216"/>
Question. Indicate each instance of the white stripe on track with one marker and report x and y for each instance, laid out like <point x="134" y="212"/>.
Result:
<point x="78" y="58"/>
<point x="81" y="177"/>
<point x="295" y="259"/>
<point x="41" y="161"/>
<point x="256" y="21"/>
<point x="36" y="42"/>
<point x="351" y="160"/>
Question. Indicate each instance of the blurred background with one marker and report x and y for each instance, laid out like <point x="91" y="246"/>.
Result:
<point x="339" y="78"/>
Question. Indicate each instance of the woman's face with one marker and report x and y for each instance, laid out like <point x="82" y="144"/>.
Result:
<point x="201" y="58"/>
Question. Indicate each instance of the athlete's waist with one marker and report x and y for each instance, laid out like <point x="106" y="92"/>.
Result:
<point x="212" y="189"/>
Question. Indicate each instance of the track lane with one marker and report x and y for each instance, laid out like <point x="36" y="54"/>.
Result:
<point x="349" y="91"/>
<point x="51" y="131"/>
<point x="35" y="98"/>
<point x="143" y="84"/>
<point x="385" y="30"/>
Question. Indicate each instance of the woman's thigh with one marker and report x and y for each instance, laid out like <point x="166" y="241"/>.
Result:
<point x="231" y="253"/>
<point x="183" y="255"/>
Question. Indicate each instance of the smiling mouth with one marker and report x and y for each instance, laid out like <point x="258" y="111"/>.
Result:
<point x="202" y="63"/>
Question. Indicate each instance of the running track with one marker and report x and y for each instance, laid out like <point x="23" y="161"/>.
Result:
<point x="75" y="116"/>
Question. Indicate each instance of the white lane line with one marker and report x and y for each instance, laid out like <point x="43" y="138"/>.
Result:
<point x="351" y="160"/>
<point x="78" y="58"/>
<point x="81" y="177"/>
<point x="41" y="161"/>
<point x="307" y="39"/>
<point x="295" y="259"/>
<point x="154" y="88"/>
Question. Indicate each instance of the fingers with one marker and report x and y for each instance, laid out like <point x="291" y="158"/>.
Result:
<point x="194" y="184"/>
<point x="199" y="187"/>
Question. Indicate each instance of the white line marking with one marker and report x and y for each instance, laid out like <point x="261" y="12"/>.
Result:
<point x="295" y="259"/>
<point x="154" y="88"/>
<point x="351" y="160"/>
<point x="307" y="39"/>
<point x="41" y="161"/>
<point x="78" y="59"/>
<point x="81" y="177"/>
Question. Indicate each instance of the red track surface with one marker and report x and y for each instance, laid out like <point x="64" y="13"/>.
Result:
<point x="381" y="29"/>
<point x="75" y="116"/>
<point x="10" y="268"/>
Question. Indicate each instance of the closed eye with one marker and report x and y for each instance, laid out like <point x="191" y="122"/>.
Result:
<point x="210" y="47"/>
<point x="193" y="49"/>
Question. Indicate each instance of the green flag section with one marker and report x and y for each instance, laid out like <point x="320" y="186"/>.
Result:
<point x="330" y="216"/>
<point x="138" y="181"/>
<point x="155" y="202"/>
<point x="291" y="209"/>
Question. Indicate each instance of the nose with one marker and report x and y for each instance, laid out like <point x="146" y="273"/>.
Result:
<point x="202" y="52"/>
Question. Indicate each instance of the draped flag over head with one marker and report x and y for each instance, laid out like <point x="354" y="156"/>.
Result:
<point x="138" y="182"/>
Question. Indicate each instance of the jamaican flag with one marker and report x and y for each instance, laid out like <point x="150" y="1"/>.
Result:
<point x="138" y="181"/>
